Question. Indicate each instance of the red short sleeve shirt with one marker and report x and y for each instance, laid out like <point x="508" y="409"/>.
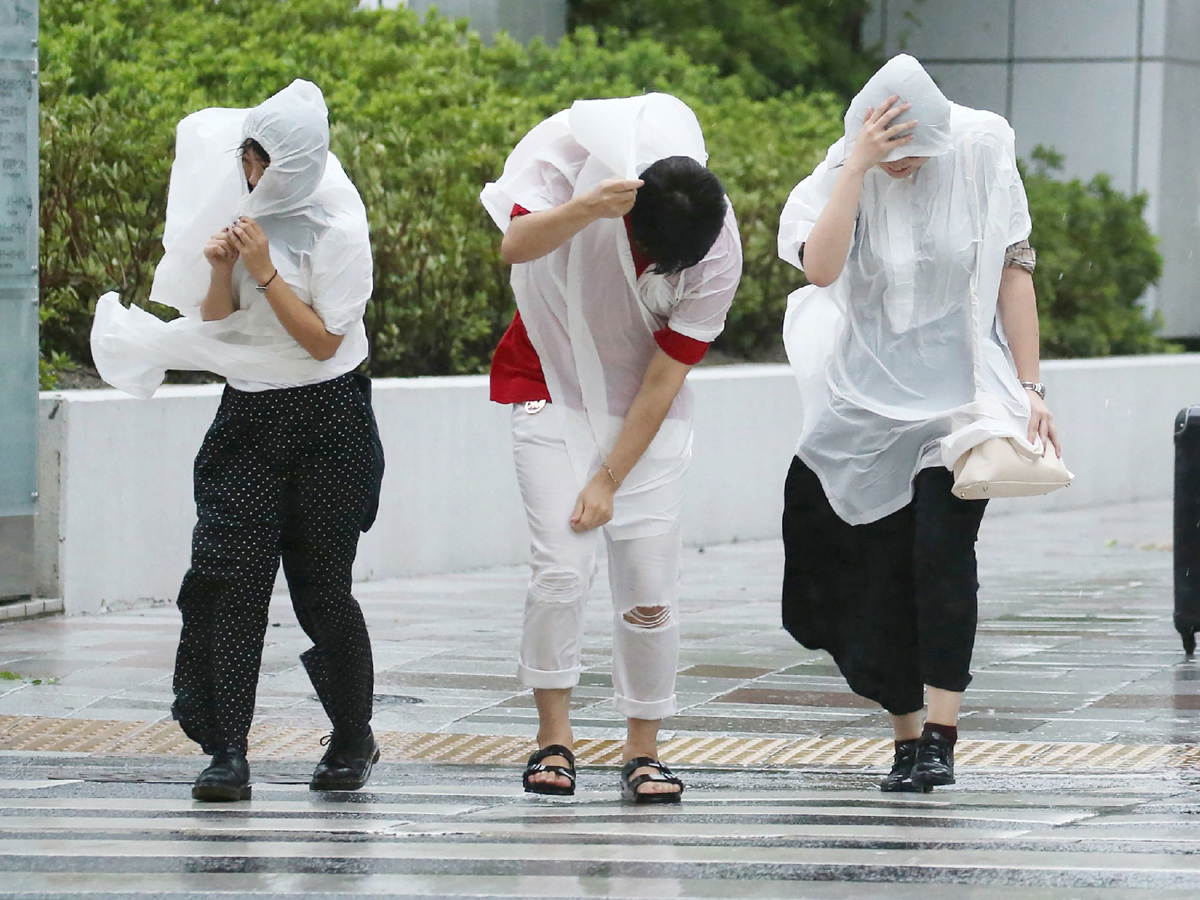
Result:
<point x="517" y="375"/>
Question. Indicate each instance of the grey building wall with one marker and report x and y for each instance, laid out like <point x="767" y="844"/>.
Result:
<point x="1111" y="84"/>
<point x="522" y="19"/>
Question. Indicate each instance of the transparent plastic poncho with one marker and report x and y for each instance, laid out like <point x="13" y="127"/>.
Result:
<point x="902" y="362"/>
<point x="590" y="316"/>
<point x="302" y="194"/>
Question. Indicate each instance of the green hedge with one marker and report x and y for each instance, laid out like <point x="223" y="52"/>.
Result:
<point x="772" y="45"/>
<point x="423" y="115"/>
<point x="1096" y="257"/>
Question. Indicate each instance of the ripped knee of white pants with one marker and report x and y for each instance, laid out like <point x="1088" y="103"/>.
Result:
<point x="557" y="586"/>
<point x="649" y="618"/>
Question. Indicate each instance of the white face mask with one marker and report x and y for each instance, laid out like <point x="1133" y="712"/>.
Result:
<point x="903" y="77"/>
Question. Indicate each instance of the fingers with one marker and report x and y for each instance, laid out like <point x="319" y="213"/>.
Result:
<point x="893" y="113"/>
<point x="877" y="114"/>
<point x="1052" y="431"/>
<point x="577" y="513"/>
<point x="1044" y="433"/>
<point x="904" y="128"/>
<point x="1032" y="434"/>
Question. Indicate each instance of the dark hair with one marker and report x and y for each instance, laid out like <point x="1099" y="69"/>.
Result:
<point x="250" y="145"/>
<point x="678" y="213"/>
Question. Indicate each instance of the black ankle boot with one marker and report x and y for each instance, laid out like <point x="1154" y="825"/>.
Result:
<point x="900" y="778"/>
<point x="346" y="765"/>
<point x="935" y="761"/>
<point x="226" y="779"/>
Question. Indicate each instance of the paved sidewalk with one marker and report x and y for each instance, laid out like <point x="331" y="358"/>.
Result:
<point x="1079" y="772"/>
<point x="1075" y="644"/>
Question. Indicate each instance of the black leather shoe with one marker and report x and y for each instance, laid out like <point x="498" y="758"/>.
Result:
<point x="900" y="778"/>
<point x="935" y="762"/>
<point x="227" y="778"/>
<point x="346" y="765"/>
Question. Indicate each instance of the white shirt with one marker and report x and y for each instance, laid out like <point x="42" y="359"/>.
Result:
<point x="336" y="282"/>
<point x="902" y="362"/>
<point x="590" y="318"/>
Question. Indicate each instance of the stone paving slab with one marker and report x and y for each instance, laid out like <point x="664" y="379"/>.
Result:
<point x="1075" y="644"/>
<point x="123" y="828"/>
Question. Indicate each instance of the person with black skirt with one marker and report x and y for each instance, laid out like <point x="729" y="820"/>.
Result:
<point x="916" y="340"/>
<point x="290" y="469"/>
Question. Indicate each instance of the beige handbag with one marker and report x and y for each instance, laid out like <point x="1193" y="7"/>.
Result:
<point x="1002" y="467"/>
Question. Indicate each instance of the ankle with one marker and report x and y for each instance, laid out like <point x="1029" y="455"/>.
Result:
<point x="547" y="737"/>
<point x="946" y="734"/>
<point x="633" y="751"/>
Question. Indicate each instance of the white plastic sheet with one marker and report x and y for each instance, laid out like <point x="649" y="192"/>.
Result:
<point x="901" y="362"/>
<point x="589" y="316"/>
<point x="315" y="223"/>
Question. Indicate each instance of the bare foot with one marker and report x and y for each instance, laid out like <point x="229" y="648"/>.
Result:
<point x="549" y="777"/>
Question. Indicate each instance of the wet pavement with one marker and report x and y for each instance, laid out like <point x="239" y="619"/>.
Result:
<point x="1080" y="779"/>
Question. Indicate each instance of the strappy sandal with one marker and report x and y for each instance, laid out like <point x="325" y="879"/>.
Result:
<point x="535" y="765"/>
<point x="660" y="775"/>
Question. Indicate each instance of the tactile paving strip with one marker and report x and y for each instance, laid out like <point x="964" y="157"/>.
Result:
<point x="105" y="738"/>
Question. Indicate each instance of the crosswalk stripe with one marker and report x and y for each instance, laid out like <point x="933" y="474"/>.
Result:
<point x="420" y="839"/>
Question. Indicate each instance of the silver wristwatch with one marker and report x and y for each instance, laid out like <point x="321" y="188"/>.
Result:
<point x="1036" y="386"/>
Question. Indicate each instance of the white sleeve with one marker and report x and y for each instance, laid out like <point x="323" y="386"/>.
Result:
<point x="342" y="277"/>
<point x="709" y="287"/>
<point x="1020" y="224"/>
<point x="539" y="174"/>
<point x="805" y="205"/>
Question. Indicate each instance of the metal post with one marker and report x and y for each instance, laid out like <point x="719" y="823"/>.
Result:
<point x="18" y="293"/>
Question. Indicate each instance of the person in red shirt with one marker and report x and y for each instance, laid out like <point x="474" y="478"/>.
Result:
<point x="621" y="285"/>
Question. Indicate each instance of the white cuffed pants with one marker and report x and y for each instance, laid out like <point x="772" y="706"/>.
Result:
<point x="643" y="576"/>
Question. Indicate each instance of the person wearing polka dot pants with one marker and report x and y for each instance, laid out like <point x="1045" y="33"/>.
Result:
<point x="291" y="467"/>
<point x="282" y="474"/>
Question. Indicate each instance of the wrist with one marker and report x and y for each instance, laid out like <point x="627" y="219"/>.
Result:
<point x="588" y="207"/>
<point x="855" y="168"/>
<point x="606" y="478"/>
<point x="1035" y="387"/>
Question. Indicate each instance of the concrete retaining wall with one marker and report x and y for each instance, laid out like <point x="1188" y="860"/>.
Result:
<point x="116" y="494"/>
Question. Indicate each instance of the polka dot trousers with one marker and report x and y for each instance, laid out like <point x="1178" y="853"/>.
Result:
<point x="289" y="474"/>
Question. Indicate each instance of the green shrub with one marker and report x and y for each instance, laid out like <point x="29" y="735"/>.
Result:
<point x="423" y="115"/>
<point x="772" y="45"/>
<point x="1096" y="258"/>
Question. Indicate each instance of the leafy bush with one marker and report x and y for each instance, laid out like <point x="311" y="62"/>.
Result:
<point x="423" y="115"/>
<point x="772" y="45"/>
<point x="1096" y="258"/>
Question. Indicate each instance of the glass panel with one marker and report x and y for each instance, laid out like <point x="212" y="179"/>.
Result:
<point x="18" y="257"/>
<point x="18" y="171"/>
<point x="18" y="402"/>
<point x="18" y="23"/>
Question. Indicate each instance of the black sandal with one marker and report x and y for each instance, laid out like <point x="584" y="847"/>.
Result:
<point x="535" y="765"/>
<point x="660" y="775"/>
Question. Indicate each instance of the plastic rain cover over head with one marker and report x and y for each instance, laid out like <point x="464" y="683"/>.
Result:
<point x="301" y="190"/>
<point x="905" y="78"/>
<point x="902" y="362"/>
<point x="590" y="316"/>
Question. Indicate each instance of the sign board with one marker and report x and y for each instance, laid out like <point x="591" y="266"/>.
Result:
<point x="18" y="169"/>
<point x="18" y="267"/>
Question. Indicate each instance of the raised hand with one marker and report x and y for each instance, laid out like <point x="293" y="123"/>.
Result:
<point x="879" y="137"/>
<point x="251" y="242"/>
<point x="220" y="251"/>
<point x="613" y="198"/>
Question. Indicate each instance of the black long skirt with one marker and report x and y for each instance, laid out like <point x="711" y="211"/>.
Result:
<point x="895" y="602"/>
